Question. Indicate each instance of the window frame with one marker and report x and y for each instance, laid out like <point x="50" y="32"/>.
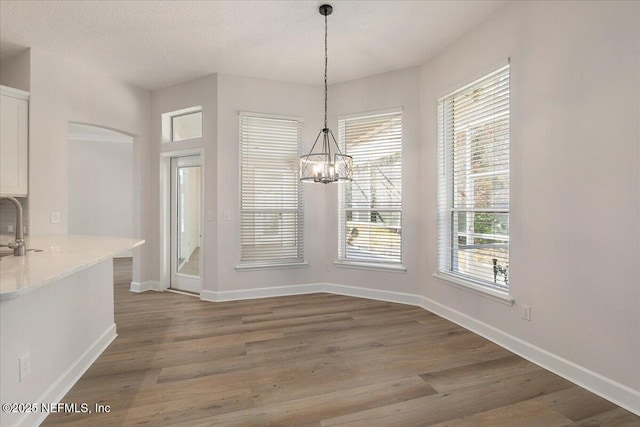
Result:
<point x="269" y="263"/>
<point x="448" y="232"/>
<point x="343" y="260"/>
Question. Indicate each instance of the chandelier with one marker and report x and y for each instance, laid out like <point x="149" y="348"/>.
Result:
<point x="321" y="166"/>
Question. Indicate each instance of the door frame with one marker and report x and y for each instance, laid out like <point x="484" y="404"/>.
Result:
<point x="165" y="213"/>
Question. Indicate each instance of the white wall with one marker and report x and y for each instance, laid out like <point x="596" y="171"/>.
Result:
<point x="237" y="94"/>
<point x="382" y="92"/>
<point x="101" y="188"/>
<point x="63" y="91"/>
<point x="222" y="97"/>
<point x="201" y="92"/>
<point x="575" y="211"/>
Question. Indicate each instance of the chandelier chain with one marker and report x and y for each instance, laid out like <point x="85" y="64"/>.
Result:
<point x="325" y="71"/>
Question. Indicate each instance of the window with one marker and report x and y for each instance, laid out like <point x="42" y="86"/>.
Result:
<point x="186" y="126"/>
<point x="473" y="182"/>
<point x="182" y="124"/>
<point x="370" y="206"/>
<point x="271" y="211"/>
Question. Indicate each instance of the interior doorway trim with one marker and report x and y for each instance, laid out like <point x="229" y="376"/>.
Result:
<point x="165" y="212"/>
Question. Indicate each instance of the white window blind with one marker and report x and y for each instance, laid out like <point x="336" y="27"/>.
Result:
<point x="271" y="211"/>
<point x="370" y="206"/>
<point x="473" y="181"/>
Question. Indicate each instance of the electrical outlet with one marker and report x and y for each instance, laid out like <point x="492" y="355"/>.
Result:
<point x="209" y="215"/>
<point x="10" y="228"/>
<point x="226" y="216"/>
<point x="526" y="312"/>
<point x="327" y="267"/>
<point x="25" y="366"/>
<point x="55" y="217"/>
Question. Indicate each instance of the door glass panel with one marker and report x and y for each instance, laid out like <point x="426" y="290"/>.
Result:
<point x="188" y="225"/>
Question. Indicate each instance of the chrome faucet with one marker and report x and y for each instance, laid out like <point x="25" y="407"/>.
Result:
<point x="18" y="244"/>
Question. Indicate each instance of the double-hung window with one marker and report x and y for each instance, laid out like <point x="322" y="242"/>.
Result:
<point x="370" y="206"/>
<point x="473" y="182"/>
<point x="271" y="207"/>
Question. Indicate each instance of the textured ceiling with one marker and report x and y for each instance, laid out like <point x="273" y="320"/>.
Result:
<point x="155" y="44"/>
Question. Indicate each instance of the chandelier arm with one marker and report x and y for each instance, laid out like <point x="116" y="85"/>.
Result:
<point x="314" y="144"/>
<point x="326" y="144"/>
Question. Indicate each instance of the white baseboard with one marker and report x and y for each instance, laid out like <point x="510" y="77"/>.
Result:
<point x="138" y="287"/>
<point x="149" y="285"/>
<point x="310" y="288"/>
<point x="277" y="291"/>
<point x="57" y="391"/>
<point x="376" y="294"/>
<point x="611" y="390"/>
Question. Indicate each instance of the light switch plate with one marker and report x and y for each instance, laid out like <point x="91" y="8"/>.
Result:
<point x="55" y="217"/>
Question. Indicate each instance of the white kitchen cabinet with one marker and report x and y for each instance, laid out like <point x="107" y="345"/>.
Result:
<point x="14" y="141"/>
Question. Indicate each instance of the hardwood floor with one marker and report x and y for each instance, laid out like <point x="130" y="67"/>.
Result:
<point x="314" y="360"/>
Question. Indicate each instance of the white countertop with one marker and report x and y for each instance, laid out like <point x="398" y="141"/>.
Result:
<point x="61" y="256"/>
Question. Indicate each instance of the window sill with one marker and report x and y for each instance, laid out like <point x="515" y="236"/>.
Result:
<point x="249" y="267"/>
<point x="394" y="268"/>
<point x="467" y="285"/>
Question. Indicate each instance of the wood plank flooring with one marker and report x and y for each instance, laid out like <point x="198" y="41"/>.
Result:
<point x="314" y="360"/>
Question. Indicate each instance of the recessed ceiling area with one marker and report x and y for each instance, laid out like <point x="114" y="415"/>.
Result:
<point x="156" y="44"/>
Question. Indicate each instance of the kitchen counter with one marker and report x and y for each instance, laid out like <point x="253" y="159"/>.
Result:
<point x="56" y="317"/>
<point x="62" y="255"/>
